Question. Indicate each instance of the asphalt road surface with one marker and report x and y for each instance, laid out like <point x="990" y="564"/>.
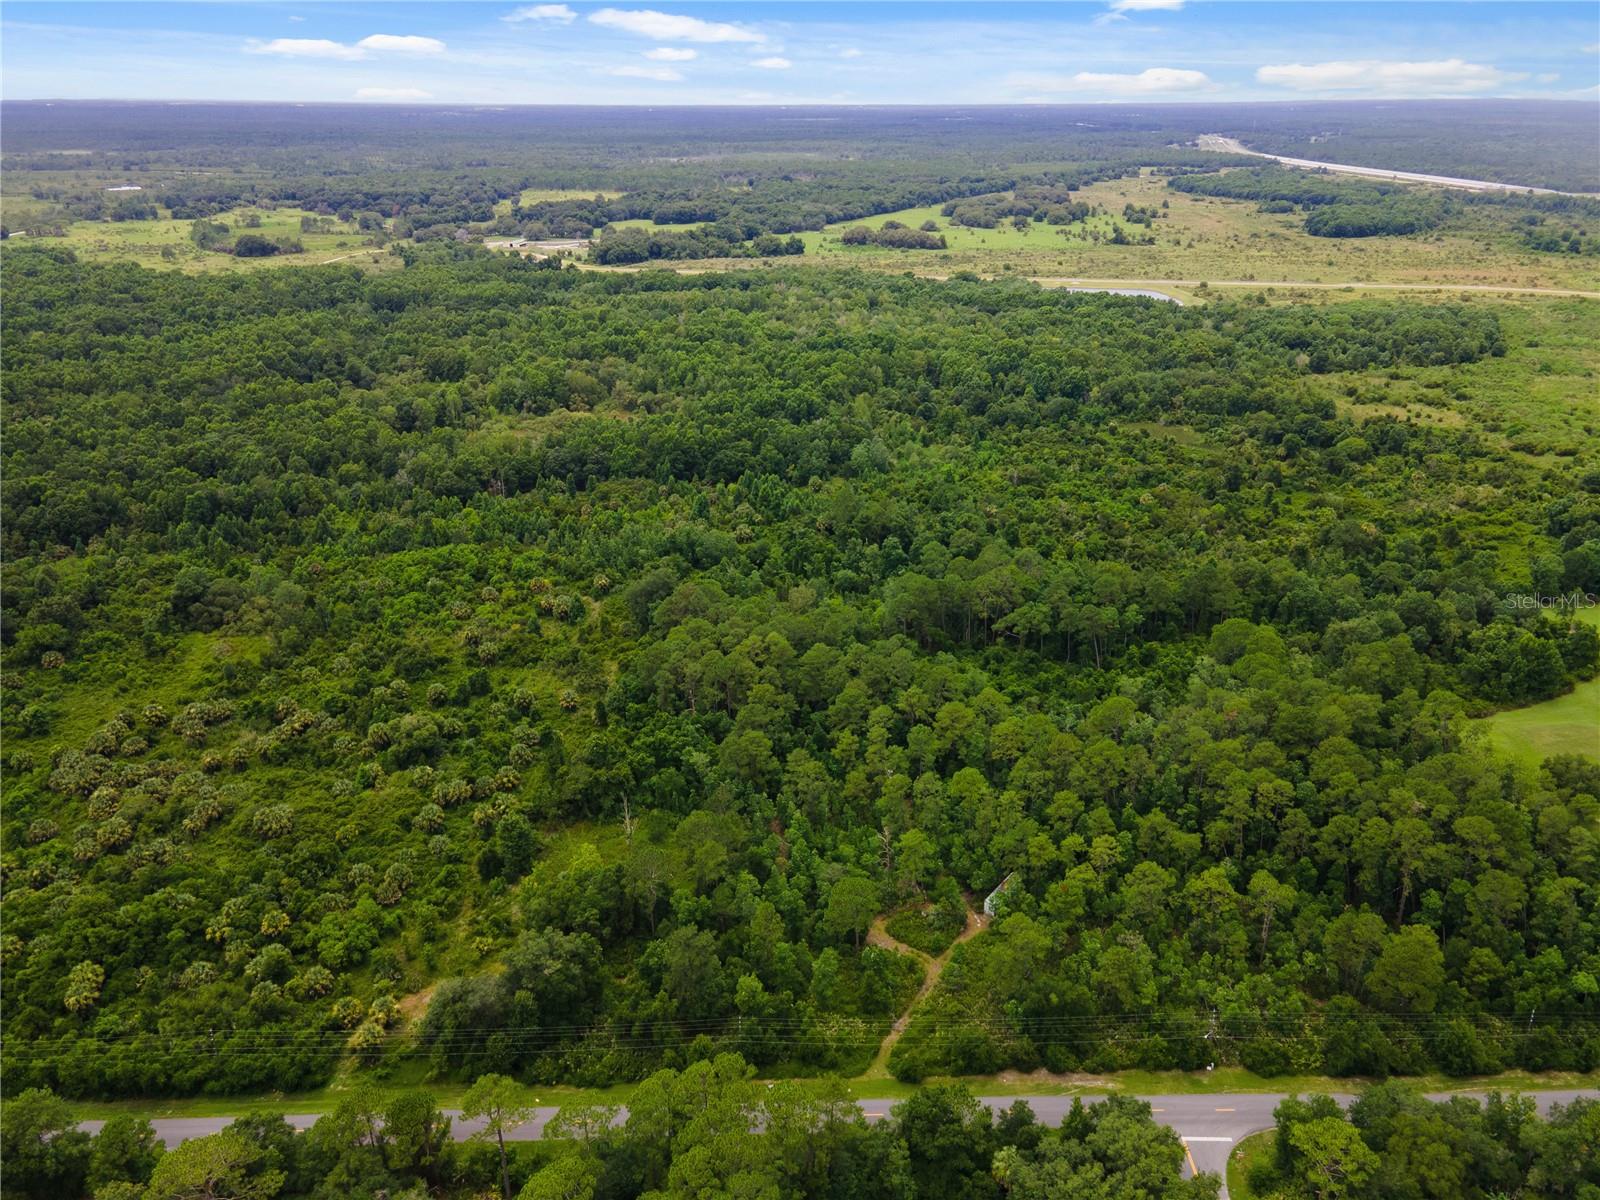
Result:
<point x="1227" y="145"/>
<point x="1208" y="1125"/>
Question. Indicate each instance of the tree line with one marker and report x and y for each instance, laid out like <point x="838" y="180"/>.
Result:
<point x="709" y="1129"/>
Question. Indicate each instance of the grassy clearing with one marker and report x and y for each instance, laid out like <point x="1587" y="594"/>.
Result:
<point x="647" y="223"/>
<point x="86" y="698"/>
<point x="1568" y="724"/>
<point x="1542" y="397"/>
<point x="1537" y="400"/>
<point x="535" y="194"/>
<point x="1004" y="238"/>
<point x="165" y="243"/>
<point x="1183" y="435"/>
<point x="1251" y="1150"/>
<point x="1227" y="242"/>
<point x="1200" y="238"/>
<point x="504" y="208"/>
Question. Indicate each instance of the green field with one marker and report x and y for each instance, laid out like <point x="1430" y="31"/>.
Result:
<point x="1228" y="242"/>
<point x="1034" y="238"/>
<point x="1538" y="399"/>
<point x="535" y="194"/>
<point x="166" y="243"/>
<point x="1568" y="724"/>
<point x="647" y="223"/>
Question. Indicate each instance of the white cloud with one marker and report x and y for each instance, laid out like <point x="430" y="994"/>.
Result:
<point x="307" y="48"/>
<point x="1118" y="10"/>
<point x="850" y="52"/>
<point x="557" y="14"/>
<point x="659" y="74"/>
<point x="775" y="63"/>
<point x="296" y="20"/>
<point x="669" y="27"/>
<point x="401" y="44"/>
<point x="386" y="93"/>
<point x="1549" y="77"/>
<point x="1377" y="75"/>
<point x="672" y="54"/>
<point x="379" y="43"/>
<point x="1150" y="82"/>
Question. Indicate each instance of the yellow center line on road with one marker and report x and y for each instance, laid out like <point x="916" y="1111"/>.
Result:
<point x="1189" y="1154"/>
<point x="1225" y="1110"/>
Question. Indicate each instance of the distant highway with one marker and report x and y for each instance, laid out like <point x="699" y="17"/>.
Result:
<point x="1209" y="1125"/>
<point x="1228" y="145"/>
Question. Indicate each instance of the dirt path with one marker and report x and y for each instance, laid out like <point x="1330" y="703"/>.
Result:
<point x="878" y="935"/>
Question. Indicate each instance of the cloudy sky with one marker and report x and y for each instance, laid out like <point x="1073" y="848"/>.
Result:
<point x="758" y="53"/>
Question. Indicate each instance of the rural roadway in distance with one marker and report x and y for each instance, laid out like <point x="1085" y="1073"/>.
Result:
<point x="1209" y="1125"/>
<point x="1228" y="145"/>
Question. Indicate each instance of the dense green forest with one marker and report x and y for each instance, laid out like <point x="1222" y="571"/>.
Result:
<point x="432" y="169"/>
<point x="619" y="247"/>
<point x="1393" y="1142"/>
<point x="1539" y="143"/>
<point x="484" y="665"/>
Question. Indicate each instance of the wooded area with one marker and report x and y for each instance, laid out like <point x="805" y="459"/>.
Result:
<point x="606" y="652"/>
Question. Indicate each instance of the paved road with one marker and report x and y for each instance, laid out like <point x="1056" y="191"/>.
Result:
<point x="1208" y="1125"/>
<point x="1227" y="145"/>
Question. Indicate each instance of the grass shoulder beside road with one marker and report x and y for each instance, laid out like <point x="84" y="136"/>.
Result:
<point x="1253" y="1149"/>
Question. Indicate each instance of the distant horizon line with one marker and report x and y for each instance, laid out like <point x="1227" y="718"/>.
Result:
<point x="492" y="105"/>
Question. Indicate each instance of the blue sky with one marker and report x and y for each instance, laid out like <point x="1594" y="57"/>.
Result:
<point x="771" y="53"/>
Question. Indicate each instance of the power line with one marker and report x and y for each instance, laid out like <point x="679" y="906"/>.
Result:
<point x="796" y="1033"/>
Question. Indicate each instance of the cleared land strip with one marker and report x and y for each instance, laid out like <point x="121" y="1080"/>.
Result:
<point x="1228" y="145"/>
<point x="1064" y="282"/>
<point x="1069" y="283"/>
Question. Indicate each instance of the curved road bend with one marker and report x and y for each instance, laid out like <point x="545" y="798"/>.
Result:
<point x="1209" y="1125"/>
